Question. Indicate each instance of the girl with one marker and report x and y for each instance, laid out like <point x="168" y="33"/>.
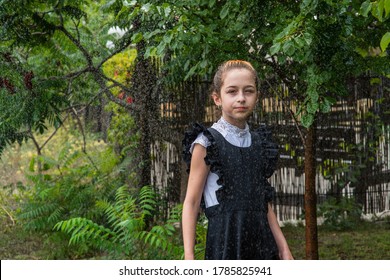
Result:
<point x="229" y="167"/>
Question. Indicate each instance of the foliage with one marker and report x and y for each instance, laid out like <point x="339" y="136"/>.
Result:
<point x="312" y="46"/>
<point x="51" y="60"/>
<point x="69" y="187"/>
<point x="201" y="235"/>
<point x="122" y="130"/>
<point x="340" y="214"/>
<point x="127" y="233"/>
<point x="53" y="54"/>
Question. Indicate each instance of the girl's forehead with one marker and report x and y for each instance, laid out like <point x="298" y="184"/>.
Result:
<point x="239" y="75"/>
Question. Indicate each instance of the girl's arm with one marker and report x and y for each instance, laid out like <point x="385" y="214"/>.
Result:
<point x="196" y="181"/>
<point x="284" y="250"/>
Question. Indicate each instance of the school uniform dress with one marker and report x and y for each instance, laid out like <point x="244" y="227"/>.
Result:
<point x="236" y="194"/>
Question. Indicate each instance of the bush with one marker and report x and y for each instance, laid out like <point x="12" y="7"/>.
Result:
<point x="340" y="214"/>
<point x="67" y="187"/>
<point x="127" y="233"/>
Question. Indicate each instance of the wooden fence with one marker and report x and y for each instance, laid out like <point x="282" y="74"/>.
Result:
<point x="352" y="144"/>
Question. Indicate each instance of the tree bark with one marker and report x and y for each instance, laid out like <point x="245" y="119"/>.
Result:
<point x="310" y="195"/>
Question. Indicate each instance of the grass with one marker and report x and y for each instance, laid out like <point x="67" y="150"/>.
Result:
<point x="366" y="241"/>
<point x="16" y="244"/>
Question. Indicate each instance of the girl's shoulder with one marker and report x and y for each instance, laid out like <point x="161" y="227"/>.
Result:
<point x="270" y="149"/>
<point x="197" y="133"/>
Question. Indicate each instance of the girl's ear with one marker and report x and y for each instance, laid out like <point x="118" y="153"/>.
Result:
<point x="216" y="98"/>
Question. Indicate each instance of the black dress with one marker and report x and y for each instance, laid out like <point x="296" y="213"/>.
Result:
<point x="238" y="227"/>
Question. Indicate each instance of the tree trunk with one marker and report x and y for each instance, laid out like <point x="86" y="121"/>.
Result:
<point x="143" y="82"/>
<point x="310" y="195"/>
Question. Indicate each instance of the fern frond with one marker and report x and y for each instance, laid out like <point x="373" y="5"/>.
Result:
<point x="158" y="237"/>
<point x="175" y="214"/>
<point x="63" y="154"/>
<point x="36" y="211"/>
<point x="82" y="229"/>
<point x="69" y="159"/>
<point x="55" y="215"/>
<point x="130" y="226"/>
<point x="47" y="161"/>
<point x="122" y="194"/>
<point x="147" y="200"/>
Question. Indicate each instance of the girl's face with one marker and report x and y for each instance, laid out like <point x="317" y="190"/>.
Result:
<point x="238" y="96"/>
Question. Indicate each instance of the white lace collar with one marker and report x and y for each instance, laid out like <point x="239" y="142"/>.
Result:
<point x="229" y="128"/>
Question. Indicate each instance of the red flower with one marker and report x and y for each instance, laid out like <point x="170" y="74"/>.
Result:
<point x="129" y="100"/>
<point x="10" y="87"/>
<point x="121" y="95"/>
<point x="28" y="80"/>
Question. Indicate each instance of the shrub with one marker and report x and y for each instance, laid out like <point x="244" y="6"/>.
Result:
<point x="340" y="214"/>
<point x="127" y="233"/>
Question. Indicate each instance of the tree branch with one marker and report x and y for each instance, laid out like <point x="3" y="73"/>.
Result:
<point x="290" y="111"/>
<point x="54" y="133"/>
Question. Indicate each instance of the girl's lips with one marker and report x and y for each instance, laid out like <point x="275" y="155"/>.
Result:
<point x="241" y="108"/>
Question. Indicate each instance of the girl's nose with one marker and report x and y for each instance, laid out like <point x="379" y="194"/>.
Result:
<point x="241" y="96"/>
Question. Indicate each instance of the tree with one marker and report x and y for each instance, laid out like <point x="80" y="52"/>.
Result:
<point x="312" y="46"/>
<point x="52" y="58"/>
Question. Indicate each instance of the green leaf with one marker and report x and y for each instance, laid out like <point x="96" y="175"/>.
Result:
<point x="167" y="9"/>
<point x="362" y="52"/>
<point x="385" y="40"/>
<point x="146" y="7"/>
<point x="192" y="71"/>
<point x="377" y="10"/>
<point x="387" y="7"/>
<point x="307" y="120"/>
<point x="365" y="8"/>
<point x="275" y="48"/>
<point x="168" y="37"/>
<point x="308" y="38"/>
<point x="299" y="41"/>
<point x="212" y="3"/>
<point x="137" y="37"/>
<point x="375" y="81"/>
<point x="288" y="48"/>
<point x="224" y="12"/>
<point x="312" y="107"/>
<point x="305" y="3"/>
<point x="32" y="165"/>
<point x="148" y="35"/>
<point x="326" y="105"/>
<point x="161" y="48"/>
<point x="130" y="4"/>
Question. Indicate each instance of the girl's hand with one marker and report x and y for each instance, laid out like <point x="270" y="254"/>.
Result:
<point x="286" y="255"/>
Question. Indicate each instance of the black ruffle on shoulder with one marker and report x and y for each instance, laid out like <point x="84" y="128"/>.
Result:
<point x="189" y="137"/>
<point x="212" y="157"/>
<point x="270" y="156"/>
<point x="269" y="148"/>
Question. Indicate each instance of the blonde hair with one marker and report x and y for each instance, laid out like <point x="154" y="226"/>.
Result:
<point x="227" y="66"/>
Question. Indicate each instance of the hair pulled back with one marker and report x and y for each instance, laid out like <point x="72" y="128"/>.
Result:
<point x="227" y="66"/>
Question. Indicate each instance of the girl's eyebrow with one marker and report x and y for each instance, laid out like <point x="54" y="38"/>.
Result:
<point x="233" y="86"/>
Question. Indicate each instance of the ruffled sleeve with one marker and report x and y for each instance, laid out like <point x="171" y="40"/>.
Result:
<point x="212" y="155"/>
<point x="213" y="158"/>
<point x="189" y="137"/>
<point x="270" y="150"/>
<point x="270" y="156"/>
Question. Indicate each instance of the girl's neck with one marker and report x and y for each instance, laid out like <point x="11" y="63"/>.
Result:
<point x="238" y="124"/>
